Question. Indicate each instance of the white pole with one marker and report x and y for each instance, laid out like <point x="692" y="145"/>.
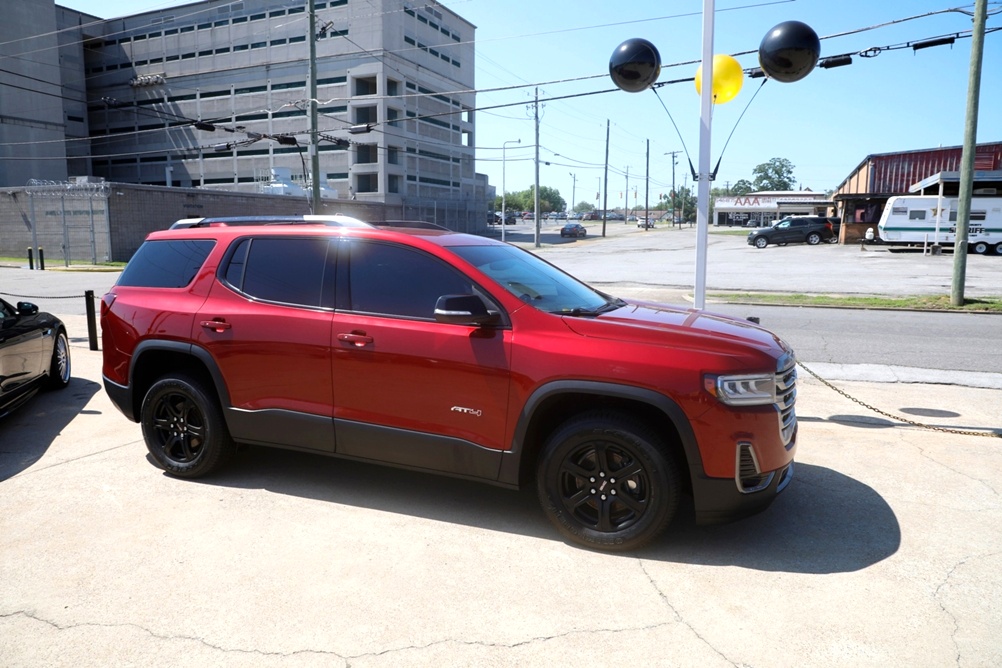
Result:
<point x="703" y="189"/>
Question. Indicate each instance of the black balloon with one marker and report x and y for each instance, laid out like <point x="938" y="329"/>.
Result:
<point x="635" y="65"/>
<point x="789" y="51"/>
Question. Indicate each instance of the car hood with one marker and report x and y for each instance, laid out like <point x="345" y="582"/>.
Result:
<point x="659" y="324"/>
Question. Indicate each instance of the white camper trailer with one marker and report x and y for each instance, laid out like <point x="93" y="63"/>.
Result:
<point x="917" y="220"/>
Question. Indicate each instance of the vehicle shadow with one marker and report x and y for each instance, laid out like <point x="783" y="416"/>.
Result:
<point x="27" y="433"/>
<point x="826" y="522"/>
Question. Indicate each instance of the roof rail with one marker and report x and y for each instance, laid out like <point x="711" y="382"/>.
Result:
<point x="336" y="220"/>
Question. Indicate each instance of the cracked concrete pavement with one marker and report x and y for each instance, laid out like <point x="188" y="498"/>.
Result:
<point x="885" y="550"/>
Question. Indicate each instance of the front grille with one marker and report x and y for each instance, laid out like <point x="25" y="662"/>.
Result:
<point x="786" y="398"/>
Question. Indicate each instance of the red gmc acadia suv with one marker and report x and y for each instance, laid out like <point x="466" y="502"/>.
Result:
<point x="450" y="353"/>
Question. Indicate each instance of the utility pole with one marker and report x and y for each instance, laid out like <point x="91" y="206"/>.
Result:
<point x="626" y="194"/>
<point x="674" y="194"/>
<point x="967" y="154"/>
<point x="536" y="216"/>
<point x="605" y="201"/>
<point x="314" y="130"/>
<point x="574" y="187"/>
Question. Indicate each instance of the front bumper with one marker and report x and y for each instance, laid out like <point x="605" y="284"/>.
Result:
<point x="719" y="500"/>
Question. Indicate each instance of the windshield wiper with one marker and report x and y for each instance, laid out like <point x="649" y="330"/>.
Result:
<point x="611" y="305"/>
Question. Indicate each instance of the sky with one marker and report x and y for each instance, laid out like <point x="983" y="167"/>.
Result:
<point x="895" y="99"/>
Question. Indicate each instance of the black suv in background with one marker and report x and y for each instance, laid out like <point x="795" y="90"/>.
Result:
<point x="796" y="230"/>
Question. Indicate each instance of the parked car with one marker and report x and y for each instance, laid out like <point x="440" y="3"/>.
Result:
<point x="34" y="354"/>
<point x="644" y="223"/>
<point x="801" y="229"/>
<point x="528" y="215"/>
<point x="449" y="353"/>
<point x="573" y="230"/>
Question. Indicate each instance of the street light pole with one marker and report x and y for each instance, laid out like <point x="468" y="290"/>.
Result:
<point x="504" y="211"/>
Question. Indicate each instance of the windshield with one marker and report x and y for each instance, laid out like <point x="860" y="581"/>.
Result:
<point x="535" y="281"/>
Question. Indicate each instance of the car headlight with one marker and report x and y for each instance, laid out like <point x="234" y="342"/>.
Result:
<point x="744" y="390"/>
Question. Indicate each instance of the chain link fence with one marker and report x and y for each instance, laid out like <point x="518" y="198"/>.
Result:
<point x="65" y="220"/>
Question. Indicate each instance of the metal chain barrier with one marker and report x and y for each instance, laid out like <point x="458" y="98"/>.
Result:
<point x="7" y="294"/>
<point x="989" y="434"/>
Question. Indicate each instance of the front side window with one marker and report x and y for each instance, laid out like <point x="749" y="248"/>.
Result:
<point x="392" y="280"/>
<point x="279" y="269"/>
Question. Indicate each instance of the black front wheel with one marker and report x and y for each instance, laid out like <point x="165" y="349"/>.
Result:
<point x="184" y="428"/>
<point x="607" y="482"/>
<point x="59" y="365"/>
<point x="761" y="242"/>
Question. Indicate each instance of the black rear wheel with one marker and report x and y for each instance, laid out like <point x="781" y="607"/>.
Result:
<point x="607" y="482"/>
<point x="184" y="428"/>
<point x="814" y="238"/>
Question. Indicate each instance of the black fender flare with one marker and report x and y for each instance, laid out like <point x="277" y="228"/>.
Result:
<point x="176" y="347"/>
<point x="511" y="463"/>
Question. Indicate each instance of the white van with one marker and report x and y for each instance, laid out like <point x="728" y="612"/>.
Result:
<point x="921" y="219"/>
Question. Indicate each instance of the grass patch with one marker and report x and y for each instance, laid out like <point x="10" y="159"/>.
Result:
<point x="59" y="262"/>
<point x="930" y="303"/>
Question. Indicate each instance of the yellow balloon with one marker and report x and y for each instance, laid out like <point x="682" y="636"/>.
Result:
<point x="728" y="77"/>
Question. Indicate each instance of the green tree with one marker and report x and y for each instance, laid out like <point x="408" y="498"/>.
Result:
<point x="742" y="187"/>
<point x="777" y="174"/>
<point x="583" y="207"/>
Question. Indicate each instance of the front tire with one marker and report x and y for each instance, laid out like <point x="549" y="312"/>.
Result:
<point x="761" y="242"/>
<point x="59" y="366"/>
<point x="184" y="428"/>
<point x="607" y="482"/>
<point x="813" y="238"/>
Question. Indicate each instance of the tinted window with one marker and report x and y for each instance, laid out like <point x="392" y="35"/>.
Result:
<point x="393" y="280"/>
<point x="166" y="264"/>
<point x="290" y="271"/>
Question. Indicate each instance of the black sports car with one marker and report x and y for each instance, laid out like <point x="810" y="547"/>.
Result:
<point x="34" y="354"/>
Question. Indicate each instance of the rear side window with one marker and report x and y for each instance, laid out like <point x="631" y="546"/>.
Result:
<point x="280" y="269"/>
<point x="166" y="263"/>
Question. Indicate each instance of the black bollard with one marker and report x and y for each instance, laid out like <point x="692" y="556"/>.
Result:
<point x="91" y="320"/>
<point x="31" y="259"/>
<point x="41" y="259"/>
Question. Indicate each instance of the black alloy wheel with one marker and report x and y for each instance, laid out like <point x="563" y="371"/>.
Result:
<point x="184" y="427"/>
<point x="608" y="483"/>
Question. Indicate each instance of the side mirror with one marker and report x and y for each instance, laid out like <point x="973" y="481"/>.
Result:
<point x="464" y="310"/>
<point x="26" y="308"/>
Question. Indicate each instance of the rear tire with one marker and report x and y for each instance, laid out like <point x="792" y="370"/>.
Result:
<point x="813" y="238"/>
<point x="607" y="482"/>
<point x="998" y="248"/>
<point x="980" y="247"/>
<point x="184" y="428"/>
